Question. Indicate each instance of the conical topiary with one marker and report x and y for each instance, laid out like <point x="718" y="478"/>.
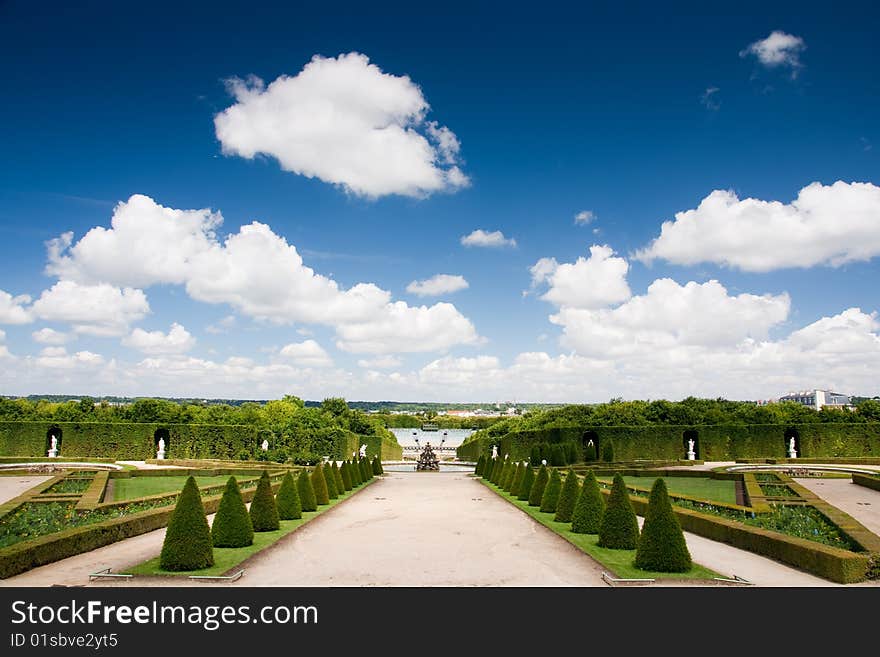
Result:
<point x="356" y="475"/>
<point x="506" y="473"/>
<point x="187" y="544"/>
<point x="478" y="469"/>
<point x="550" y="498"/>
<point x="516" y="480"/>
<point x="535" y="456"/>
<point x="337" y="477"/>
<point x="557" y="455"/>
<point x="525" y="486"/>
<point x="661" y="546"/>
<point x="322" y="496"/>
<point x="366" y="472"/>
<point x="619" y="529"/>
<point x="232" y="525"/>
<point x="590" y="507"/>
<point x="287" y="500"/>
<point x="499" y="470"/>
<point x="538" y="487"/>
<point x="306" y="492"/>
<point x="377" y="466"/>
<point x="264" y="512"/>
<point x="330" y="480"/>
<point x="567" y="498"/>
<point x="488" y="469"/>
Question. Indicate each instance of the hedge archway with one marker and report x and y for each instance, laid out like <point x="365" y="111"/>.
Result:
<point x="54" y="432"/>
<point x="790" y="433"/>
<point x="162" y="434"/>
<point x="686" y="437"/>
<point x="590" y="442"/>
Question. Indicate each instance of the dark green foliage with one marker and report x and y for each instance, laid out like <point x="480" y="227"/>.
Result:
<point x="496" y="471"/>
<point x="661" y="546"/>
<point x="506" y="474"/>
<point x="571" y="452"/>
<point x="377" y="466"/>
<point x="330" y="480"/>
<point x="550" y="498"/>
<point x="608" y="450"/>
<point x="346" y="476"/>
<point x="538" y="487"/>
<point x="478" y="469"/>
<point x="567" y="498"/>
<point x="517" y="479"/>
<point x="488" y="464"/>
<point x="535" y="456"/>
<point x="557" y="455"/>
<point x="619" y="530"/>
<point x="187" y="543"/>
<point x="232" y="525"/>
<point x="322" y="495"/>
<point x="337" y="477"/>
<point x="366" y="471"/>
<point x="287" y="500"/>
<point x="525" y="486"/>
<point x="264" y="511"/>
<point x="589" y="452"/>
<point x="306" y="492"/>
<point x="546" y="452"/>
<point x="589" y="508"/>
<point x="356" y="474"/>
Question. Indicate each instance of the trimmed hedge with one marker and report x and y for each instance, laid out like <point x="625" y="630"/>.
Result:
<point x="319" y="484"/>
<point x="662" y="547"/>
<point x="525" y="486"/>
<point x="481" y="462"/>
<point x="590" y="507"/>
<point x="517" y="479"/>
<point x="619" y="529"/>
<point x="537" y="491"/>
<point x="337" y="477"/>
<point x="567" y="498"/>
<point x="306" y="491"/>
<point x="232" y="526"/>
<point x="264" y="511"/>
<point x="867" y="481"/>
<point x="287" y="499"/>
<point x="187" y="544"/>
<point x="330" y="480"/>
<point x="550" y="498"/>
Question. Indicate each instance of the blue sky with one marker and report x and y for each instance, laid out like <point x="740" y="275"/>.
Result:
<point x="551" y="113"/>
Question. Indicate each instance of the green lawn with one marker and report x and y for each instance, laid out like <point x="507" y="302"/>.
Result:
<point x="130" y="489"/>
<point x="225" y="559"/>
<point x="712" y="490"/>
<point x="618" y="562"/>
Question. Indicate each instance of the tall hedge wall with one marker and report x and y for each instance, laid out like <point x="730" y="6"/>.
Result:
<point x="713" y="442"/>
<point x="387" y="449"/>
<point x="183" y="441"/>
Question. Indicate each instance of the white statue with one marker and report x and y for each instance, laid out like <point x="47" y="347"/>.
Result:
<point x="160" y="452"/>
<point x="363" y="451"/>
<point x="161" y="444"/>
<point x="792" y="453"/>
<point x="543" y="461"/>
<point x="53" y="447"/>
<point x="691" y="454"/>
<point x="265" y="445"/>
<point x="494" y="451"/>
<point x="506" y="456"/>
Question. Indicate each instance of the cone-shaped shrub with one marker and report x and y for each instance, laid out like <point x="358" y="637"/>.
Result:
<point x="608" y="451"/>
<point x="322" y="495"/>
<point x="356" y="475"/>
<point x="363" y="470"/>
<point x="517" y="480"/>
<point x="590" y="507"/>
<point x="538" y="487"/>
<point x="535" y="456"/>
<point x="619" y="529"/>
<point x="492" y="470"/>
<point x="571" y="452"/>
<point x="525" y="486"/>
<point x="567" y="498"/>
<point x="662" y="546"/>
<point x="232" y="525"/>
<point x="496" y="471"/>
<point x="557" y="455"/>
<point x="505" y="475"/>
<point x="264" y="511"/>
<point x="478" y="469"/>
<point x="187" y="543"/>
<point x="377" y="466"/>
<point x="550" y="498"/>
<point x="327" y="471"/>
<point x="306" y="492"/>
<point x="337" y="477"/>
<point x="287" y="500"/>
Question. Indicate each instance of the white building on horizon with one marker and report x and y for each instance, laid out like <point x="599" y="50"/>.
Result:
<point x="818" y="399"/>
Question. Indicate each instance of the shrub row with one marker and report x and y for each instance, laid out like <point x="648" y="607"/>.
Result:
<point x="868" y="481"/>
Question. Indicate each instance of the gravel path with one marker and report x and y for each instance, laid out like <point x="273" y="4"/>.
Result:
<point x="860" y="502"/>
<point x="13" y="486"/>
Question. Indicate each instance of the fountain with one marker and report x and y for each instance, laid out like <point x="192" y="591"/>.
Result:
<point x="428" y="461"/>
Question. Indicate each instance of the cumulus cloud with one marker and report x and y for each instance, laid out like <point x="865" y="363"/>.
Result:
<point x="591" y="282"/>
<point x="346" y="122"/>
<point x="58" y="358"/>
<point x="380" y="363"/>
<point x="482" y="238"/>
<point x="437" y="285"/>
<point x="584" y="217"/>
<point x="307" y="354"/>
<point x="222" y="326"/>
<point x="12" y="309"/>
<point x="101" y="309"/>
<point x="777" y="50"/>
<point x="825" y="225"/>
<point x="51" y="336"/>
<point x="177" y="341"/>
<point x="255" y="271"/>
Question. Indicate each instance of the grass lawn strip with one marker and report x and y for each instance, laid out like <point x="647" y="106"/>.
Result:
<point x="618" y="562"/>
<point x="714" y="490"/>
<point x="226" y="559"/>
<point x="136" y="487"/>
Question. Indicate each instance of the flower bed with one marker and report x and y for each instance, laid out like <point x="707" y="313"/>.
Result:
<point x="70" y="485"/>
<point x="777" y="490"/>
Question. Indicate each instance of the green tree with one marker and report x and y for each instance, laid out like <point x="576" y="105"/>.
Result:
<point x="662" y="547"/>
<point x="306" y="492"/>
<point x="322" y="496"/>
<point x="289" y="506"/>
<point x="478" y="470"/>
<point x="346" y="476"/>
<point x="538" y="487"/>
<point x="550" y="498"/>
<point x="232" y="525"/>
<point x="336" y="406"/>
<point x="590" y="507"/>
<point x="377" y="466"/>
<point x="264" y="511"/>
<point x="330" y="480"/>
<point x="517" y="479"/>
<point x="187" y="544"/>
<point x="337" y="477"/>
<point x="506" y="472"/>
<point x="619" y="529"/>
<point x="489" y="468"/>
<point x="366" y="470"/>
<point x="567" y="498"/>
<point x="525" y="486"/>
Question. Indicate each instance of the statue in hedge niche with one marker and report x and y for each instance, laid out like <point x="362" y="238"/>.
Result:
<point x="364" y="451"/>
<point x="691" y="454"/>
<point x="494" y="451"/>
<point x="160" y="453"/>
<point x="792" y="452"/>
<point x="53" y="447"/>
<point x="265" y="445"/>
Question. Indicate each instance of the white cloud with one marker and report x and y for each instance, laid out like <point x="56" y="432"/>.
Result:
<point x="307" y="354"/>
<point x="58" y="358"/>
<point x="825" y="225"/>
<point x="593" y="282"/>
<point x="342" y="120"/>
<point x="51" y="336"/>
<point x="584" y="217"/>
<point x="12" y="310"/>
<point x="460" y="372"/>
<point x="482" y="238"/>
<point x="102" y="309"/>
<point x="380" y="363"/>
<point x="177" y="341"/>
<point x="222" y="326"/>
<point x="709" y="99"/>
<point x="437" y="285"/>
<point x="778" y="49"/>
